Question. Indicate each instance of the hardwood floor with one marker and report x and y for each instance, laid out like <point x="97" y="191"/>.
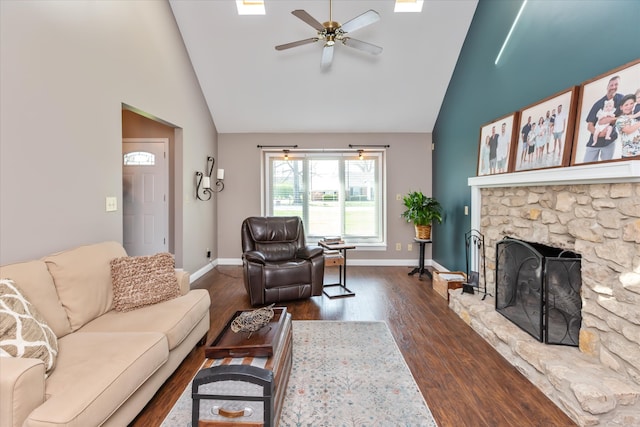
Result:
<point x="463" y="379"/>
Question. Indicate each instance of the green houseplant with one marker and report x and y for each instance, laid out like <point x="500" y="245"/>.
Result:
<point x="422" y="211"/>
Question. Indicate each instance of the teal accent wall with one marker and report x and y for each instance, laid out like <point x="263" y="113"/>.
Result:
<point x="556" y="44"/>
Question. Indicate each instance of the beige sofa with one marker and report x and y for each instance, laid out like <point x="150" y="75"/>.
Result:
<point x="109" y="363"/>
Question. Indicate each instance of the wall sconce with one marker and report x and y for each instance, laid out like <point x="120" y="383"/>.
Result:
<point x="360" y="154"/>
<point x="286" y="154"/>
<point x="203" y="182"/>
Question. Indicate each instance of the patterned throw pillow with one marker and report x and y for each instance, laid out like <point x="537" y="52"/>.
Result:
<point x="23" y="331"/>
<point x="143" y="280"/>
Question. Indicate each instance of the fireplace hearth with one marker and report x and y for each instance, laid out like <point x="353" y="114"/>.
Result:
<point x="538" y="289"/>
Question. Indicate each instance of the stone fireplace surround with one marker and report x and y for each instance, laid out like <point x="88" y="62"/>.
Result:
<point x="593" y="210"/>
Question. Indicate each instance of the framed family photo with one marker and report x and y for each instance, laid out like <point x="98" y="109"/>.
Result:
<point x="494" y="148"/>
<point x="545" y="132"/>
<point x="609" y="117"/>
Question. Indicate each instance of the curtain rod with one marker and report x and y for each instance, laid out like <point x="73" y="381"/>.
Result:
<point x="278" y="146"/>
<point x="368" y="146"/>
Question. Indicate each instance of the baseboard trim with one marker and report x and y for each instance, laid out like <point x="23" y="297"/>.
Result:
<point x="438" y="267"/>
<point x="204" y="270"/>
<point x="362" y="262"/>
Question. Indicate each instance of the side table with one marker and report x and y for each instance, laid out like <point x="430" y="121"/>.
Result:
<point x="342" y="290"/>
<point x="420" y="268"/>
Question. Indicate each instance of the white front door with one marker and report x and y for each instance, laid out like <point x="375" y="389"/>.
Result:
<point x="144" y="195"/>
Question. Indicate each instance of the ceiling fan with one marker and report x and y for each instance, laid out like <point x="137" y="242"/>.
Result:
<point x="332" y="31"/>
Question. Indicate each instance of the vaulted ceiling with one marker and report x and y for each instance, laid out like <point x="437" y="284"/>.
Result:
<point x="250" y="87"/>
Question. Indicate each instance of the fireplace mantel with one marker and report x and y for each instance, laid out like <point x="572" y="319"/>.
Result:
<point x="599" y="173"/>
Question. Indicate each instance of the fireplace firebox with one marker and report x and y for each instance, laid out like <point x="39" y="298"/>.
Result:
<point x="538" y="289"/>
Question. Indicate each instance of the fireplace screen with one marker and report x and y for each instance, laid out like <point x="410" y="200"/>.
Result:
<point x="538" y="289"/>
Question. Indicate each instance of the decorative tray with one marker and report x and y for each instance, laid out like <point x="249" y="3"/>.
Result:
<point x="242" y="344"/>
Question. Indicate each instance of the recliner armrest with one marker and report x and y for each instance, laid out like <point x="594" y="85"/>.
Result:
<point x="309" y="252"/>
<point x="254" y="256"/>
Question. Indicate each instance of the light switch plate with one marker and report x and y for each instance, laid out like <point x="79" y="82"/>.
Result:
<point x="111" y="204"/>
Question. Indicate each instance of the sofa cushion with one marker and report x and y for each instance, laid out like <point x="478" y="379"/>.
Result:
<point x="143" y="280"/>
<point x="36" y="283"/>
<point x="175" y="318"/>
<point x="82" y="277"/>
<point x="23" y="331"/>
<point x="97" y="373"/>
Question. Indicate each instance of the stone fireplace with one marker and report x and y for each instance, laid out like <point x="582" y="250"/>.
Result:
<point x="593" y="210"/>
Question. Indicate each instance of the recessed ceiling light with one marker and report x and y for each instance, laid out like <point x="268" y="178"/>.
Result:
<point x="250" y="7"/>
<point x="408" y="6"/>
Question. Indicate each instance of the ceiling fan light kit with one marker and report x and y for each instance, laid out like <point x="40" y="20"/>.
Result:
<point x="331" y="31"/>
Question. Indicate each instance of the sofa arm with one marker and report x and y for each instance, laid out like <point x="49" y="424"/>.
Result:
<point x="184" y="281"/>
<point x="21" y="389"/>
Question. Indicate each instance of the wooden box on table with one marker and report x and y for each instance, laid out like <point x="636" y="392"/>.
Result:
<point x="445" y="280"/>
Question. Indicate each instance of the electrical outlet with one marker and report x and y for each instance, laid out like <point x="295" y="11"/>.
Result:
<point x="208" y="253"/>
<point x="409" y="247"/>
<point x="398" y="246"/>
<point x="398" y="196"/>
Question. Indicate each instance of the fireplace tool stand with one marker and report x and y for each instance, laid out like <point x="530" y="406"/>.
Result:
<point x="474" y="245"/>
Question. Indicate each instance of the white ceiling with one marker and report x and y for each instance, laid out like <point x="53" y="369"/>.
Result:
<point x="251" y="87"/>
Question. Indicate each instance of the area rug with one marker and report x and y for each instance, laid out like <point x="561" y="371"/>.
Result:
<point x="343" y="374"/>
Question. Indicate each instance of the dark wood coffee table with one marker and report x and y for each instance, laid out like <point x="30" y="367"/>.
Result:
<point x="244" y="379"/>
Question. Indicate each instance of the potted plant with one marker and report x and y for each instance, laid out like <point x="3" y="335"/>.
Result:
<point x="421" y="211"/>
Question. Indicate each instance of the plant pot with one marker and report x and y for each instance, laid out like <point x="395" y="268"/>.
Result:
<point x="423" y="232"/>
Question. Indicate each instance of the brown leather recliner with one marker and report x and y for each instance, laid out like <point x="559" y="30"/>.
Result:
<point x="278" y="266"/>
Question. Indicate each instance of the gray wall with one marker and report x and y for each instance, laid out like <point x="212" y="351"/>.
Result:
<point x="557" y="44"/>
<point x="65" y="71"/>
<point x="408" y="168"/>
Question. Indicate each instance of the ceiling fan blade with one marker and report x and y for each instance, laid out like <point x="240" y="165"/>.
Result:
<point x="367" y="18"/>
<point x="302" y="14"/>
<point x="364" y="46"/>
<point x="296" y="43"/>
<point x="327" y="56"/>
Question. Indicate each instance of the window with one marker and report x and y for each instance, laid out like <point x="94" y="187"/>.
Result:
<point x="250" y="7"/>
<point x="139" y="158"/>
<point x="335" y="193"/>
<point x="408" y="6"/>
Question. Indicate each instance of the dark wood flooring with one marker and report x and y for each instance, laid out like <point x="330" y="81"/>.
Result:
<point x="463" y="379"/>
